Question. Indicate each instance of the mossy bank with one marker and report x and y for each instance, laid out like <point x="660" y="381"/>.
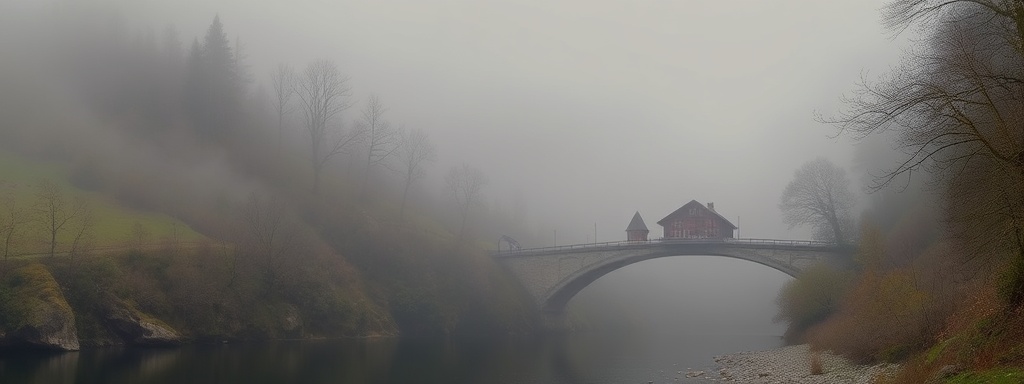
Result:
<point x="203" y="294"/>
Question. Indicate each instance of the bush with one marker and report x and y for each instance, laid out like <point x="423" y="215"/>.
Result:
<point x="810" y="299"/>
<point x="1011" y="283"/>
<point x="816" y="368"/>
<point x="884" y="318"/>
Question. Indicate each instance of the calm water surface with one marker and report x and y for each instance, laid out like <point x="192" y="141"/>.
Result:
<point x="597" y="358"/>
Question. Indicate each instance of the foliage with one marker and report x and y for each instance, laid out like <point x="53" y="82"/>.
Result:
<point x="998" y="376"/>
<point x="465" y="184"/>
<point x="382" y="140"/>
<point x="819" y="196"/>
<point x="954" y="107"/>
<point x="415" y="150"/>
<point x="24" y="289"/>
<point x="113" y="219"/>
<point x="190" y="291"/>
<point x="883" y="318"/>
<point x="949" y="299"/>
<point x="430" y="284"/>
<point x="816" y="368"/>
<point x="811" y="298"/>
<point x="323" y="94"/>
<point x="214" y="85"/>
<point x="164" y="134"/>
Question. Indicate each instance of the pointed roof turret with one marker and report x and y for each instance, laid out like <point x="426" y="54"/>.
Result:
<point x="637" y="224"/>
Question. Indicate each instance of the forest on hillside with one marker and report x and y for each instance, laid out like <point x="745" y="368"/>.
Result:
<point x="304" y="210"/>
<point x="939" y="284"/>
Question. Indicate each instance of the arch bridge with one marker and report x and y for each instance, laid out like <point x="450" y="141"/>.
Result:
<point x="553" y="275"/>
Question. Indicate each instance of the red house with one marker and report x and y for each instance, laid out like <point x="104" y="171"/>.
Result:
<point x="695" y="221"/>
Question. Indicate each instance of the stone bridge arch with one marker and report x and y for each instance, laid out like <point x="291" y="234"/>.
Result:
<point x="553" y="276"/>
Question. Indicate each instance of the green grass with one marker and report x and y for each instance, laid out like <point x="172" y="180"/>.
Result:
<point x="28" y="288"/>
<point x="114" y="222"/>
<point x="1000" y="376"/>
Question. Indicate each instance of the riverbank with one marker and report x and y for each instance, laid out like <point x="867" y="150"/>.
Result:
<point x="790" y="364"/>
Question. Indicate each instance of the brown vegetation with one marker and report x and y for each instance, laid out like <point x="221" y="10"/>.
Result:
<point x="810" y="299"/>
<point x="944" y="294"/>
<point x="816" y="368"/>
<point x="183" y="134"/>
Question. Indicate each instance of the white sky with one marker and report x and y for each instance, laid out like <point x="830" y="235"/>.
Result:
<point x="590" y="109"/>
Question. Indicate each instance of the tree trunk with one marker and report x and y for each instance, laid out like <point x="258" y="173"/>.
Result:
<point x="53" y="243"/>
<point x="837" y="232"/>
<point x="316" y="179"/>
<point x="366" y="180"/>
<point x="405" y="196"/>
<point x="1014" y="288"/>
<point x="462" y="228"/>
<point x="280" y="133"/>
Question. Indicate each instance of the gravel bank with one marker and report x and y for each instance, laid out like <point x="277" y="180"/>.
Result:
<point x="788" y="365"/>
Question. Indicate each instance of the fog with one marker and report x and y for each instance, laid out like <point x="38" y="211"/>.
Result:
<point x="590" y="110"/>
<point x="579" y="112"/>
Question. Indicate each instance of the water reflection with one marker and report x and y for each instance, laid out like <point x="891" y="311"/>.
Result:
<point x="571" y="359"/>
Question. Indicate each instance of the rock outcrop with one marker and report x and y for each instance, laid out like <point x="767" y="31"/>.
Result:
<point x="135" y="327"/>
<point x="38" y="314"/>
<point x="291" y="322"/>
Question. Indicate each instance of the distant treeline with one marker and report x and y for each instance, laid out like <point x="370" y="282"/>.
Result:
<point x="310" y="210"/>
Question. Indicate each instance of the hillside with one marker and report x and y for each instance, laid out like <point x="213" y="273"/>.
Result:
<point x="113" y="222"/>
<point x="364" y="280"/>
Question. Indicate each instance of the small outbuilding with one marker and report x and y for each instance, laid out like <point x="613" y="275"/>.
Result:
<point x="636" y="230"/>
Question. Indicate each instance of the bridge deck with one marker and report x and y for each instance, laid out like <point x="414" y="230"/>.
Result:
<point x="760" y="243"/>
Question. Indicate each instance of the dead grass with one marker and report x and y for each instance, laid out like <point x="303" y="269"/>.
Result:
<point x="816" y="367"/>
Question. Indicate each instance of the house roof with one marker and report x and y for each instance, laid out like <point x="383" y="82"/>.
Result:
<point x="695" y="203"/>
<point x="637" y="224"/>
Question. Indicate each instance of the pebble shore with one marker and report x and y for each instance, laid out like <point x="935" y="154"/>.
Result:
<point x="787" y="365"/>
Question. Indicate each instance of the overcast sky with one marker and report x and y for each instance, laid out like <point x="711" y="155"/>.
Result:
<point x="590" y="110"/>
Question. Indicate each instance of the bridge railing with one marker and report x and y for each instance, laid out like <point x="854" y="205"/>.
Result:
<point x="633" y="243"/>
<point x="782" y="242"/>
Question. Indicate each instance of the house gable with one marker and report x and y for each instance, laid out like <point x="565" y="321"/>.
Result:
<point x="695" y="220"/>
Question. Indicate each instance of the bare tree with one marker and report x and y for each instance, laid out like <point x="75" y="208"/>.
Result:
<point x="416" y="149"/>
<point x="956" y="107"/>
<point x="12" y="225"/>
<point x="54" y="212"/>
<point x="465" y="183"/>
<point x="819" y="196"/>
<point x="81" y="243"/>
<point x="271" y="235"/>
<point x="382" y="140"/>
<point x="324" y="94"/>
<point x="282" y="79"/>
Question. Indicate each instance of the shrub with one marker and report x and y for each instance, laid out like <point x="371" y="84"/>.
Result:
<point x="881" y="320"/>
<point x="816" y="368"/>
<point x="810" y="299"/>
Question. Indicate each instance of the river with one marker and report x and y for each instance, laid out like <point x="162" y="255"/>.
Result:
<point x="577" y="358"/>
<point x="685" y="314"/>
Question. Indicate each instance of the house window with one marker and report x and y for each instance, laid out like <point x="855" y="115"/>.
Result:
<point x="676" y="230"/>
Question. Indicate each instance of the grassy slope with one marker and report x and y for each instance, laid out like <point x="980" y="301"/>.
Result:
<point x="25" y="290"/>
<point x="113" y="222"/>
<point x="443" y="292"/>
